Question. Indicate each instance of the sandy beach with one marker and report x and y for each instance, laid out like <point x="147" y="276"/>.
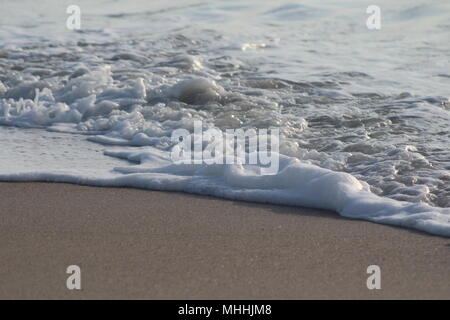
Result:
<point x="154" y="245"/>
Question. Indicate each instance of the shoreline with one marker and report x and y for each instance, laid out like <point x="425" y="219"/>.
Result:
<point x="140" y="244"/>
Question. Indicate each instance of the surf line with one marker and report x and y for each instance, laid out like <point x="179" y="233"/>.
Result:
<point x="190" y="310"/>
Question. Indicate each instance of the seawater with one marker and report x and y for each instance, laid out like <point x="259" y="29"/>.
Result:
<point x="363" y="114"/>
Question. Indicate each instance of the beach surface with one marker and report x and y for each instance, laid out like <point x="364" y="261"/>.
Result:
<point x="142" y="244"/>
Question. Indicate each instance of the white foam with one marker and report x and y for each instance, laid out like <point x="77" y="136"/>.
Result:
<point x="92" y="103"/>
<point x="345" y="118"/>
<point x="197" y="91"/>
<point x="296" y="183"/>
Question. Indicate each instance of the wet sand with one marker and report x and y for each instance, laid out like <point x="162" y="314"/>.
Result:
<point x="158" y="245"/>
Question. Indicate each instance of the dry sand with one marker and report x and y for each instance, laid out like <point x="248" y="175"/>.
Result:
<point x="145" y="244"/>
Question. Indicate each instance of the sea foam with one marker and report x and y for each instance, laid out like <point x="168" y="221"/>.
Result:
<point x="296" y="184"/>
<point x="363" y="127"/>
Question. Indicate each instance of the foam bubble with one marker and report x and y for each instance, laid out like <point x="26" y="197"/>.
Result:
<point x="197" y="91"/>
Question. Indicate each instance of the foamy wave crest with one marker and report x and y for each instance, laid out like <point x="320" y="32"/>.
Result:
<point x="366" y="136"/>
<point x="296" y="184"/>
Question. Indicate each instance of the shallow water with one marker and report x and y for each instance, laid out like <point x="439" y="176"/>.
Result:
<point x="370" y="103"/>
